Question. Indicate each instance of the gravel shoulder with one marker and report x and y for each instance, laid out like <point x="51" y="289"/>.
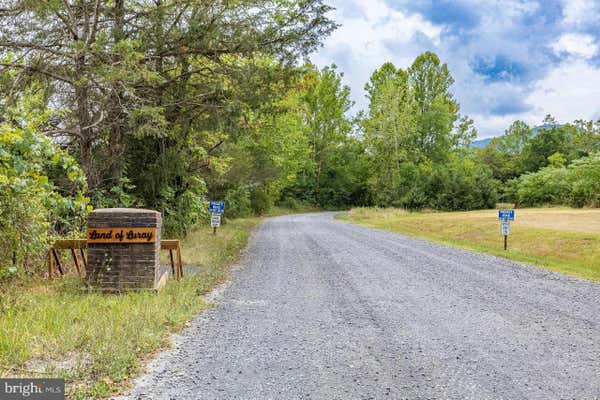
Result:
<point x="321" y="309"/>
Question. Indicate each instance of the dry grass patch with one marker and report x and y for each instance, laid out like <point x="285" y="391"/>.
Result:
<point x="561" y="239"/>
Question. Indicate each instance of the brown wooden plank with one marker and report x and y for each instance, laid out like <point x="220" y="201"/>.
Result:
<point x="70" y="244"/>
<point x="76" y="261"/>
<point x="169" y="244"/>
<point x="58" y="264"/>
<point x="50" y="265"/>
<point x="172" y="263"/>
<point x="83" y="258"/>
<point x="179" y="261"/>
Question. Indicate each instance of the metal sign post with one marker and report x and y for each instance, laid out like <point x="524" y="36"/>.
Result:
<point x="216" y="208"/>
<point x="505" y="231"/>
<point x="505" y="216"/>
<point x="215" y="222"/>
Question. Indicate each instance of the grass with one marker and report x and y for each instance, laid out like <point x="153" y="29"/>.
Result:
<point x="97" y="341"/>
<point x="560" y="239"/>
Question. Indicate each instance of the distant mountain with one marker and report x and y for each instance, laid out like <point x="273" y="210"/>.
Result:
<point x="536" y="129"/>
<point x="481" y="143"/>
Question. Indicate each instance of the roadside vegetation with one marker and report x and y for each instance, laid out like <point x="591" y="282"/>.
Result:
<point x="96" y="341"/>
<point x="561" y="239"/>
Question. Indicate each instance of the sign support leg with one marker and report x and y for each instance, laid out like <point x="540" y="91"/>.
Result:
<point x="76" y="261"/>
<point x="50" y="265"/>
<point x="179" y="261"/>
<point x="173" y="265"/>
<point x="57" y="260"/>
<point x="505" y="242"/>
<point x="83" y="258"/>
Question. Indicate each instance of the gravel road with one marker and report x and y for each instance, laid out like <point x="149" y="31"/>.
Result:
<point x="321" y="309"/>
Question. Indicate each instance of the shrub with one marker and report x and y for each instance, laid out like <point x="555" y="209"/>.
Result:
<point x="291" y="203"/>
<point x="576" y="185"/>
<point x="461" y="185"/>
<point x="458" y="184"/>
<point x="585" y="181"/>
<point x="547" y="186"/>
<point x="183" y="210"/>
<point x="237" y="202"/>
<point x="41" y="189"/>
<point x="262" y="200"/>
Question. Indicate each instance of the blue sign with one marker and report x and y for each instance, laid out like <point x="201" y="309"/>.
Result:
<point x="506" y="215"/>
<point x="217" y="207"/>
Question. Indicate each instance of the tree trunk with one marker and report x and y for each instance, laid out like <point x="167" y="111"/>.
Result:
<point x="84" y="124"/>
<point x="116" y="145"/>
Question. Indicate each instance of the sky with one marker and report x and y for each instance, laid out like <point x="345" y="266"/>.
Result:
<point x="511" y="59"/>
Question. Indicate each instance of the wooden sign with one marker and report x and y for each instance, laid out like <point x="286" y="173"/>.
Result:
<point x="121" y="235"/>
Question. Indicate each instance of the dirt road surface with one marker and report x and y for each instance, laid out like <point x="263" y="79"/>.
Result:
<point x="321" y="309"/>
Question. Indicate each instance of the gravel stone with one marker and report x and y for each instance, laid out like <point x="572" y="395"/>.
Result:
<point x="322" y="309"/>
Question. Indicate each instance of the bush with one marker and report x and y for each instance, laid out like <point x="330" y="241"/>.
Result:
<point x="458" y="184"/>
<point x="182" y="211"/>
<point x="291" y="203"/>
<point x="34" y="207"/>
<point x="462" y="185"/>
<point x="237" y="202"/>
<point x="585" y="181"/>
<point x="548" y="186"/>
<point x="576" y="185"/>
<point x="262" y="200"/>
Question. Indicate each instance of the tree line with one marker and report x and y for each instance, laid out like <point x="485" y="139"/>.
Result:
<point x="418" y="149"/>
<point x="169" y="103"/>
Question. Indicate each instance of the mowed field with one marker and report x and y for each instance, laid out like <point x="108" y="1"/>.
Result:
<point x="561" y="239"/>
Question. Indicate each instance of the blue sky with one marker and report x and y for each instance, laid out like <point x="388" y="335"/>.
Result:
<point x="510" y="59"/>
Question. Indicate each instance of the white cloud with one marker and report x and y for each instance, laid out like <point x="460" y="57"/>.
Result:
<point x="570" y="91"/>
<point x="522" y="82"/>
<point x="514" y="9"/>
<point x="365" y="34"/>
<point x="363" y="42"/>
<point x="576" y="44"/>
<point x="578" y="12"/>
<point x="496" y="125"/>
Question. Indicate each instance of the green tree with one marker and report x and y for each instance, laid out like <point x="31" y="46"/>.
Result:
<point x="326" y="103"/>
<point x="436" y="109"/>
<point x="390" y="130"/>
<point x="413" y="132"/>
<point x="515" y="138"/>
<point x="160" y="84"/>
<point x="549" y="140"/>
<point x="272" y="146"/>
<point x="503" y="155"/>
<point x="587" y="140"/>
<point x="41" y="187"/>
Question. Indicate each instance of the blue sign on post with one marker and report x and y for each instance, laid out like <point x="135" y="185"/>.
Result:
<point x="506" y="215"/>
<point x="217" y="207"/>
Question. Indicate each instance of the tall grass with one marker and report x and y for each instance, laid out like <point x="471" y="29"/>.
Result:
<point x="97" y="341"/>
